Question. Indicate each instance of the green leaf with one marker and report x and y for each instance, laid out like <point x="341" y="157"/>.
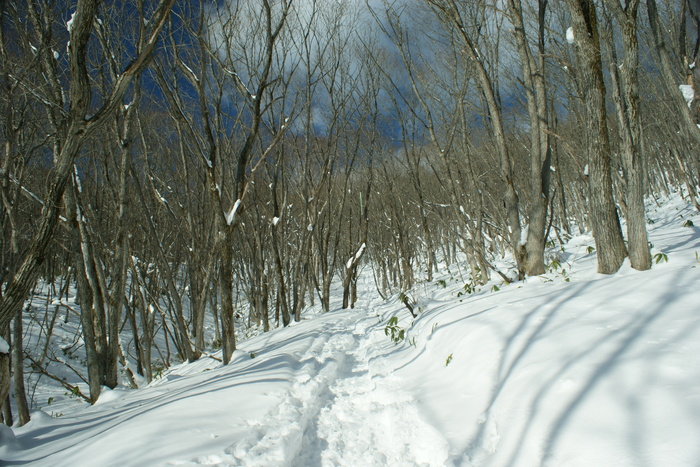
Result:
<point x="659" y="257"/>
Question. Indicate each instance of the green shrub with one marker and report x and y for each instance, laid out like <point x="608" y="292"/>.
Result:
<point x="393" y="331"/>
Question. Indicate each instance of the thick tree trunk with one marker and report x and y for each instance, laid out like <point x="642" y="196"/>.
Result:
<point x="326" y="293"/>
<point x="627" y="102"/>
<point x="87" y="322"/>
<point x="603" y="214"/>
<point x="540" y="154"/>
<point x="85" y="298"/>
<point x="351" y="276"/>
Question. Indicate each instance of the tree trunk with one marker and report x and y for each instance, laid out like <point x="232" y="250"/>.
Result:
<point x="627" y="102"/>
<point x="603" y="214"/>
<point x="228" y="335"/>
<point x="487" y="88"/>
<point x="18" y="372"/>
<point x="5" y="377"/>
<point x="540" y="154"/>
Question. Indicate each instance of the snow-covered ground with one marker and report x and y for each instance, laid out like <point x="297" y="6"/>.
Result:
<point x="568" y="369"/>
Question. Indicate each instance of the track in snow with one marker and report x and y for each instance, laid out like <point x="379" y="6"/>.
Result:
<point x="337" y="413"/>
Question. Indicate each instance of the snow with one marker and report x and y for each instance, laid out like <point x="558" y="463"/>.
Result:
<point x="69" y="23"/>
<point x="109" y="395"/>
<point x="565" y="369"/>
<point x="4" y="346"/>
<point x="688" y="93"/>
<point x="570" y="35"/>
<point x="356" y="258"/>
<point x="523" y="235"/>
<point x="232" y="213"/>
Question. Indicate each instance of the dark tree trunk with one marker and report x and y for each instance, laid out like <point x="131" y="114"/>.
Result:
<point x="626" y="80"/>
<point x="18" y="372"/>
<point x="603" y="213"/>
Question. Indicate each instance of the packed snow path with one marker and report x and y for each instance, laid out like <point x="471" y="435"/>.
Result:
<point x="338" y="412"/>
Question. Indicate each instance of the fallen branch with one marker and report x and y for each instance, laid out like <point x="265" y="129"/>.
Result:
<point x="72" y="389"/>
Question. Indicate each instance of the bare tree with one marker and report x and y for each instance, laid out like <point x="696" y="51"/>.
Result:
<point x="533" y="67"/>
<point x="626" y="90"/>
<point x="672" y="68"/>
<point x="604" y="219"/>
<point x="76" y="125"/>
<point x="451" y="12"/>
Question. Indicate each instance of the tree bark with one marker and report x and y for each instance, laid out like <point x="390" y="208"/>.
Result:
<point x="5" y="378"/>
<point x="603" y="214"/>
<point x="540" y="153"/>
<point x="18" y="372"/>
<point x="627" y="103"/>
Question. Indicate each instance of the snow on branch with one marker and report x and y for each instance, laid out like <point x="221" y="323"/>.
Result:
<point x="688" y="93"/>
<point x="232" y="213"/>
<point x="354" y="259"/>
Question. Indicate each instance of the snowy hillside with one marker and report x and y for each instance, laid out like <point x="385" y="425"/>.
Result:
<point x="568" y="369"/>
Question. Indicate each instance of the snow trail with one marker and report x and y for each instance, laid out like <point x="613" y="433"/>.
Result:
<point x="340" y="412"/>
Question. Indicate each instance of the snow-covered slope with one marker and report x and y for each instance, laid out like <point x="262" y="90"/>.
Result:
<point x="569" y="369"/>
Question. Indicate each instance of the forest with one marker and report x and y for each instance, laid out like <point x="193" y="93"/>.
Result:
<point x="192" y="172"/>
